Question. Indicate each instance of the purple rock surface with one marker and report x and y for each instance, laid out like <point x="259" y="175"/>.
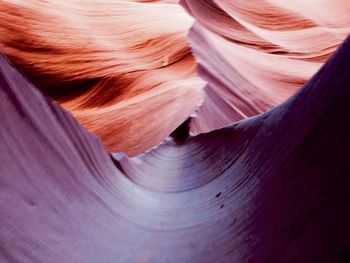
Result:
<point x="271" y="188"/>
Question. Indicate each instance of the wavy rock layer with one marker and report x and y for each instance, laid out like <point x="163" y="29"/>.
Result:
<point x="123" y="68"/>
<point x="255" y="54"/>
<point x="273" y="188"/>
<point x="125" y="71"/>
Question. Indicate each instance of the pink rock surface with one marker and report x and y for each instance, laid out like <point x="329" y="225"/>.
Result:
<point x="255" y="54"/>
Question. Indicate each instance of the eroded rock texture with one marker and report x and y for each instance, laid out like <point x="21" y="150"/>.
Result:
<point x="255" y="54"/>
<point x="272" y="188"/>
<point x="125" y="70"/>
<point x="122" y="68"/>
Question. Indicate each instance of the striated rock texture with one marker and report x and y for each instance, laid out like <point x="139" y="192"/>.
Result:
<point x="255" y="54"/>
<point x="272" y="188"/>
<point x="122" y="68"/>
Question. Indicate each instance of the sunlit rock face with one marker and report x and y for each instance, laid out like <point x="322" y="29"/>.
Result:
<point x="255" y="54"/>
<point x="123" y="68"/>
<point x="89" y="174"/>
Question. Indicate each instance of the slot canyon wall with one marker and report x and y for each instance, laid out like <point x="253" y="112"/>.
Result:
<point x="167" y="131"/>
